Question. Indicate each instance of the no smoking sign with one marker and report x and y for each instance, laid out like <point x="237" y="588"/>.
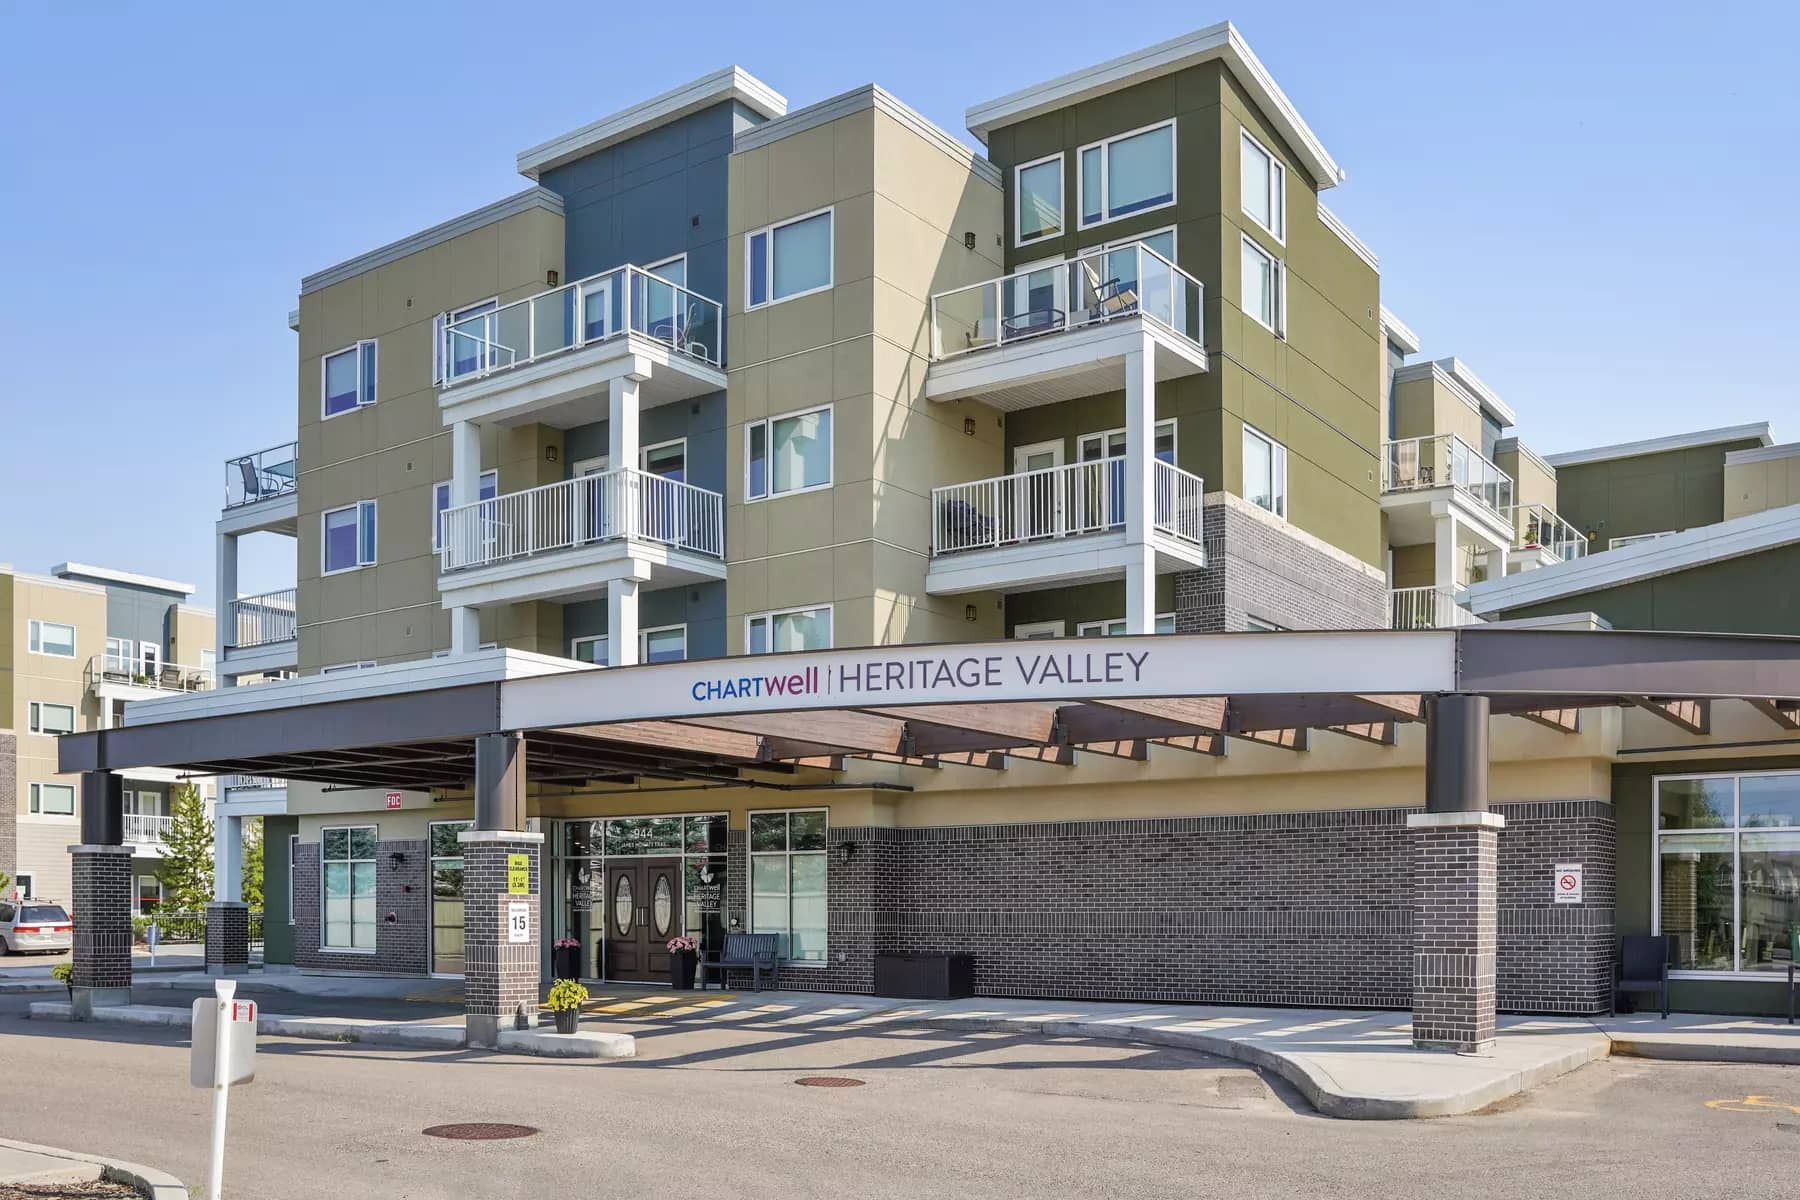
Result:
<point x="1567" y="883"/>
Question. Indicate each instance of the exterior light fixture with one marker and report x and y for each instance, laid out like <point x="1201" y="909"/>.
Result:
<point x="969" y="426"/>
<point x="551" y="276"/>
<point x="549" y="453"/>
<point x="969" y="240"/>
<point x="969" y="612"/>
<point x="397" y="857"/>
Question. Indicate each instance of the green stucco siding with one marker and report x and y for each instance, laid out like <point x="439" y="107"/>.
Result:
<point x="1757" y="593"/>
<point x="1649" y="493"/>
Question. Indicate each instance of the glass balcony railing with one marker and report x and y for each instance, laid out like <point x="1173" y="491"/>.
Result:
<point x="1059" y="502"/>
<point x="262" y="476"/>
<point x="579" y="314"/>
<point x="1099" y="286"/>
<point x="1444" y="460"/>
<point x="605" y="506"/>
<point x="1538" y="527"/>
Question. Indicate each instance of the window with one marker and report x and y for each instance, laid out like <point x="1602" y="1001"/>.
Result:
<point x="787" y="260"/>
<point x="1263" y="194"/>
<point x="293" y="854"/>
<point x="1038" y="200"/>
<point x="1131" y="173"/>
<point x="349" y="540"/>
<point x="51" y="638"/>
<point x="665" y="643"/>
<point x="1265" y="288"/>
<point x="472" y="345"/>
<point x="787" y="881"/>
<point x="674" y="270"/>
<point x="46" y="717"/>
<point x="149" y="894"/>
<point x="22" y="889"/>
<point x="121" y="654"/>
<point x="347" y="379"/>
<point x="342" y="668"/>
<point x="487" y="489"/>
<point x="1727" y="871"/>
<point x="447" y="957"/>
<point x="347" y="887"/>
<point x="1258" y="625"/>
<point x="786" y="454"/>
<point x="794" y="629"/>
<point x="1265" y="471"/>
<point x="1032" y="631"/>
<point x="1165" y="623"/>
<point x="53" y="799"/>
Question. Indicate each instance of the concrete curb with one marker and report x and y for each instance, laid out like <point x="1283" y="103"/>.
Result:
<point x="19" y="987"/>
<point x="1781" y="1056"/>
<point x="158" y="1185"/>
<point x="586" y="1043"/>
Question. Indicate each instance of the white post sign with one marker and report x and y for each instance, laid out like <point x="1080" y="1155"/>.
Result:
<point x="1567" y="884"/>
<point x="518" y="921"/>
<point x="223" y="1054"/>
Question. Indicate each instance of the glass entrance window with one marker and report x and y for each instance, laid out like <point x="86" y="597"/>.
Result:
<point x="788" y="881"/>
<point x="1728" y="871"/>
<point x="447" y="897"/>
<point x="640" y="880"/>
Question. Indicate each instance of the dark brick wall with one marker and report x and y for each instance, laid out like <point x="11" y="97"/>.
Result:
<point x="501" y="976"/>
<point x="1454" y="941"/>
<point x="1556" y="957"/>
<point x="402" y="891"/>
<point x="227" y="935"/>
<point x="100" y="899"/>
<point x="9" y="803"/>
<point x="1258" y="565"/>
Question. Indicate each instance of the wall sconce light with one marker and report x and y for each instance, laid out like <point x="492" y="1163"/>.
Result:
<point x="846" y="851"/>
<point x="551" y="276"/>
<point x="969" y="426"/>
<point x="969" y="240"/>
<point x="397" y="857"/>
<point x="970" y="612"/>
<point x="549" y="453"/>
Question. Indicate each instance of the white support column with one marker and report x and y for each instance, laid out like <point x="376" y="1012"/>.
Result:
<point x="1140" y="482"/>
<point x="1445" y="531"/>
<point x="623" y="447"/>
<point x="225" y="559"/>
<point x="465" y="488"/>
<point x="622" y="623"/>
<point x="228" y="858"/>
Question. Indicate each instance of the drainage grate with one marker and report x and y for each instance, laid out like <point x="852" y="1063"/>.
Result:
<point x="828" y="1081"/>
<point x="479" y="1131"/>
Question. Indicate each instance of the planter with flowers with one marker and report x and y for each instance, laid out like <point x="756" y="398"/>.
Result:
<point x="565" y="959"/>
<point x="565" y="1001"/>
<point x="684" y="957"/>
<point x="64" y="973"/>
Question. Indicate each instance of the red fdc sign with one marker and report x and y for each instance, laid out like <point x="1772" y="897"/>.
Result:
<point x="393" y="799"/>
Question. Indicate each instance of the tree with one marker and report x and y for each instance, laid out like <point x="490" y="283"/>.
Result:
<point x="253" y="862"/>
<point x="187" y="865"/>
<point x="5" y="885"/>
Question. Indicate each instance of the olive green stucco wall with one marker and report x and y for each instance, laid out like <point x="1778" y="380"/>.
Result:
<point x="278" y="928"/>
<point x="1633" y="814"/>
<point x="1318" y="390"/>
<point x="1757" y="593"/>
<point x="1648" y="493"/>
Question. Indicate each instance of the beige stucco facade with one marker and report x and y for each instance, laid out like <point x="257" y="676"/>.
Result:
<point x="1758" y="480"/>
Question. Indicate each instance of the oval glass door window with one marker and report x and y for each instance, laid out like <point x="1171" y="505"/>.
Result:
<point x="622" y="906"/>
<point x="662" y="904"/>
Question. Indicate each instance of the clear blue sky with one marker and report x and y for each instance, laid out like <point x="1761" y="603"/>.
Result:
<point x="1592" y="204"/>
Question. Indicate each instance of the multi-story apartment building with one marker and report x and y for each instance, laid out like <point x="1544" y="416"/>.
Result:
<point x="730" y="379"/>
<point x="75" y="646"/>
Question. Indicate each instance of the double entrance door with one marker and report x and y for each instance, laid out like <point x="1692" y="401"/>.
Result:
<point x="642" y="911"/>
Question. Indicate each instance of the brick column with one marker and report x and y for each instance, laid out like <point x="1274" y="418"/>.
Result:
<point x="501" y="976"/>
<point x="100" y="901"/>
<point x="227" y="937"/>
<point x="1454" y="928"/>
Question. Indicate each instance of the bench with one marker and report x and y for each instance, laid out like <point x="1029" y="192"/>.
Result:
<point x="754" y="952"/>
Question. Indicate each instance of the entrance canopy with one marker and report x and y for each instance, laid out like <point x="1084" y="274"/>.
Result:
<point x="415" y="725"/>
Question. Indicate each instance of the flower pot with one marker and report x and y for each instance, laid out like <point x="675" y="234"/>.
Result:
<point x="681" y="968"/>
<point x="565" y="962"/>
<point x="566" y="1019"/>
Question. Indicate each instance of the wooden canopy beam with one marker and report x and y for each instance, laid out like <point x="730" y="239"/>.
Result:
<point x="1282" y="739"/>
<point x="1785" y="713"/>
<point x="1690" y="716"/>
<point x="1381" y="733"/>
<point x="1563" y="720"/>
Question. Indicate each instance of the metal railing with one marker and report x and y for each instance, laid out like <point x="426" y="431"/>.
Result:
<point x="1632" y="539"/>
<point x="580" y="314"/>
<point x="263" y="475"/>
<point x="1539" y="527"/>
<point x="1098" y="286"/>
<point x="235" y="783"/>
<point x="164" y="677"/>
<point x="1426" y="608"/>
<point x="1440" y="460"/>
<point x="147" y="828"/>
<point x="608" y="505"/>
<point x="260" y="620"/>
<point x="1058" y="502"/>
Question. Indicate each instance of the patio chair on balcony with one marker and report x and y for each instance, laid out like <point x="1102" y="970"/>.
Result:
<point x="1114" y="298"/>
<point x="964" y="525"/>
<point x="169" y="679"/>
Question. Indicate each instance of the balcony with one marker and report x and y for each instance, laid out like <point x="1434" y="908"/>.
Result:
<point x="1061" y="332"/>
<point x="1541" y="538"/>
<point x="147" y="829"/>
<point x="114" y="676"/>
<point x="1427" y="608"/>
<point x="1426" y="479"/>
<point x="1057" y="526"/>
<point x="260" y="633"/>
<point x="568" y="540"/>
<point x="262" y="491"/>
<point x="550" y="358"/>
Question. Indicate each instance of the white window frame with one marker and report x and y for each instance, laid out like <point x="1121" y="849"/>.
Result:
<point x="1277" y="279"/>
<point x="1278" y="473"/>
<point x="376" y="830"/>
<point x="35" y="716"/>
<point x="372" y="373"/>
<point x="1062" y="200"/>
<point x="1104" y="145"/>
<point x="22" y="885"/>
<point x="789" y="853"/>
<point x="682" y="258"/>
<point x="375" y="538"/>
<point x="293" y="854"/>
<point x="769" y="615"/>
<point x="137" y="893"/>
<point x="1275" y="181"/>
<point x="1103" y="436"/>
<point x="121" y="654"/>
<point x="437" y="514"/>
<point x="1026" y="630"/>
<point x="441" y="323"/>
<point x="35" y="806"/>
<point x="34" y="638"/>
<point x="588" y="640"/>
<point x="343" y="668"/>
<point x="1089" y="628"/>
<point x="644" y="454"/>
<point x="643" y="642"/>
<point x="768" y="234"/>
<point x="767" y="424"/>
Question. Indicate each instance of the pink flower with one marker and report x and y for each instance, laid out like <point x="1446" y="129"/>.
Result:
<point x="679" y="944"/>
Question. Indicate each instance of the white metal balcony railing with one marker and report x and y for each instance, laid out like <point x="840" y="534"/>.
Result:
<point x="1539" y="527"/>
<point x="606" y="506"/>
<point x="1097" y="286"/>
<point x="261" y="476"/>
<point x="236" y="783"/>
<point x="261" y="620"/>
<point x="580" y="314"/>
<point x="164" y="677"/>
<point x="1427" y="608"/>
<point x="1058" y="502"/>
<point x="1444" y="459"/>
<point x="147" y="828"/>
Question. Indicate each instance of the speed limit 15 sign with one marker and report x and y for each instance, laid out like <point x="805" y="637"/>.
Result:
<point x="518" y="922"/>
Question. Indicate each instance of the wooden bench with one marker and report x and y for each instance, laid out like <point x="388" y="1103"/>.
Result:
<point x="754" y="952"/>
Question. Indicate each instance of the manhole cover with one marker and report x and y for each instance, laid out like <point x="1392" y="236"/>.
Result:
<point x="828" y="1081"/>
<point x="479" y="1131"/>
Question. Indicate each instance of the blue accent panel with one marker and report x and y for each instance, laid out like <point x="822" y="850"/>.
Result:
<point x="701" y="607"/>
<point x="701" y="422"/>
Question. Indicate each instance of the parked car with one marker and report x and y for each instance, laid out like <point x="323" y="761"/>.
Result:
<point x="35" y="926"/>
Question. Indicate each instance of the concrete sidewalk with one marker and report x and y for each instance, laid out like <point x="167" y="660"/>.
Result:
<point x="25" y="1163"/>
